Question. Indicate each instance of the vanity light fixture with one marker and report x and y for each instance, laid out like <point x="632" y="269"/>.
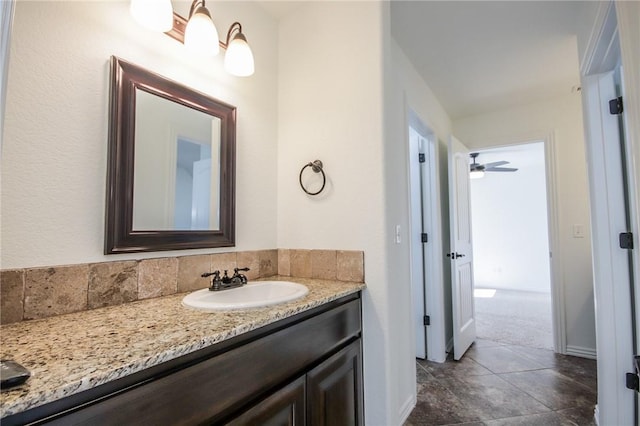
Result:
<point x="198" y="33"/>
<point x="201" y="34"/>
<point x="239" y="58"/>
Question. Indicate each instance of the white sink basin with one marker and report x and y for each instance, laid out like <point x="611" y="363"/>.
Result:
<point x="253" y="295"/>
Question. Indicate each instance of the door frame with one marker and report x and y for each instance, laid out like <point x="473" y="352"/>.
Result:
<point x="611" y="44"/>
<point x="419" y="217"/>
<point x="629" y="30"/>
<point x="7" y="8"/>
<point x="610" y="266"/>
<point x="558" y="317"/>
<point x="433" y="277"/>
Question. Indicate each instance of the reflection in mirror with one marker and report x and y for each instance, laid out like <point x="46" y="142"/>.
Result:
<point x="177" y="166"/>
<point x="171" y="172"/>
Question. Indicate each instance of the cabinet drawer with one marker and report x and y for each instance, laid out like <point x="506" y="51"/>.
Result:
<point x="216" y="387"/>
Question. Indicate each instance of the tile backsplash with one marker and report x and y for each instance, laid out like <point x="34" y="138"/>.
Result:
<point x="33" y="293"/>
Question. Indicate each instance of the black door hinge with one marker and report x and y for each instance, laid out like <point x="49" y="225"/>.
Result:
<point x="626" y="240"/>
<point x="421" y="158"/>
<point x="424" y="237"/>
<point x="633" y="382"/>
<point x="426" y="320"/>
<point x="615" y="106"/>
<point x="632" y="379"/>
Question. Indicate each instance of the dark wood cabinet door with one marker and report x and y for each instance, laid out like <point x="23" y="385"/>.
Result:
<point x="334" y="389"/>
<point x="285" y="407"/>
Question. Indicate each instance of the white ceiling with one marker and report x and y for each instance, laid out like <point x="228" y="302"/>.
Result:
<point x="480" y="56"/>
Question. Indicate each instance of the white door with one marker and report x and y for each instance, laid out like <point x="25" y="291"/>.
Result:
<point x="416" y="149"/>
<point x="461" y="256"/>
<point x="200" y="198"/>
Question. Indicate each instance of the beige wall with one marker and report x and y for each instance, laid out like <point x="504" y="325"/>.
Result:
<point x="54" y="152"/>
<point x="563" y="117"/>
<point x="407" y="91"/>
<point x="330" y="103"/>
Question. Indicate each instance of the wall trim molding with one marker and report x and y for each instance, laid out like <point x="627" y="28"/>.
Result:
<point x="555" y="262"/>
<point x="597" y="54"/>
<point x="581" y="352"/>
<point x="6" y="16"/>
<point x="407" y="408"/>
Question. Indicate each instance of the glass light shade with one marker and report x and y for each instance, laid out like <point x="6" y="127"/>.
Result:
<point x="476" y="174"/>
<point x="238" y="60"/>
<point x="201" y="34"/>
<point x="155" y="15"/>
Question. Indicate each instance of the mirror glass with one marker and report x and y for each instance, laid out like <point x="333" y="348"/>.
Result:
<point x="177" y="166"/>
<point x="171" y="172"/>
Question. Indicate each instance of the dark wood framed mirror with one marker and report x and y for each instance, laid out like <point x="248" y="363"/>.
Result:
<point x="171" y="167"/>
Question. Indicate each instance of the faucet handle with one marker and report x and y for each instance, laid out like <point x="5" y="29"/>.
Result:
<point x="208" y="274"/>
<point x="240" y="269"/>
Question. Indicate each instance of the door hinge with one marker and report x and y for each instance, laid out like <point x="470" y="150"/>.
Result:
<point x="632" y="379"/>
<point x="426" y="320"/>
<point x="424" y="237"/>
<point x="615" y="106"/>
<point x="626" y="240"/>
<point x="421" y="158"/>
<point x="633" y="382"/>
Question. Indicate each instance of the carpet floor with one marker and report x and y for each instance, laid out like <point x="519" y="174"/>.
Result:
<point x="516" y="318"/>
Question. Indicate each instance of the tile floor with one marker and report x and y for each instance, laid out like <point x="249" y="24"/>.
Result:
<point x="498" y="384"/>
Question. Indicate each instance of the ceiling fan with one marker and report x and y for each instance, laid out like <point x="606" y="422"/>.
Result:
<point x="477" y="170"/>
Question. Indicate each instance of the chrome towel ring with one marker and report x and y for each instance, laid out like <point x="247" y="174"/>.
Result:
<point x="316" y="166"/>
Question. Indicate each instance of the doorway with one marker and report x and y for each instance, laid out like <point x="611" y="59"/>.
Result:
<point x="510" y="228"/>
<point x="425" y="242"/>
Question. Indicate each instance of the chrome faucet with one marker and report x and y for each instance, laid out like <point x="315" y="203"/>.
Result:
<point x="226" y="282"/>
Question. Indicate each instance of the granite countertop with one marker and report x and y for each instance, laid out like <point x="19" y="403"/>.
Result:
<point x="71" y="353"/>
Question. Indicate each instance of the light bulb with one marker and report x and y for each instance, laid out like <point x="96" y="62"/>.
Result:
<point x="476" y="174"/>
<point x="201" y="34"/>
<point x="238" y="60"/>
<point x="155" y="15"/>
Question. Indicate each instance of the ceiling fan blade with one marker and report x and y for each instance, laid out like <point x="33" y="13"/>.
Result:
<point x="500" y="169"/>
<point x="496" y="164"/>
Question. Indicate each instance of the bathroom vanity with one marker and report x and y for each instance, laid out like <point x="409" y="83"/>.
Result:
<point x="296" y="363"/>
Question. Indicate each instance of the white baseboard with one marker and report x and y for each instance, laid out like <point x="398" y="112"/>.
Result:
<point x="439" y="359"/>
<point x="581" y="352"/>
<point x="596" y="415"/>
<point x="407" y="408"/>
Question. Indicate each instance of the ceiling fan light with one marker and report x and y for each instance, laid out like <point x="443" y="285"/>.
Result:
<point x="476" y="174"/>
